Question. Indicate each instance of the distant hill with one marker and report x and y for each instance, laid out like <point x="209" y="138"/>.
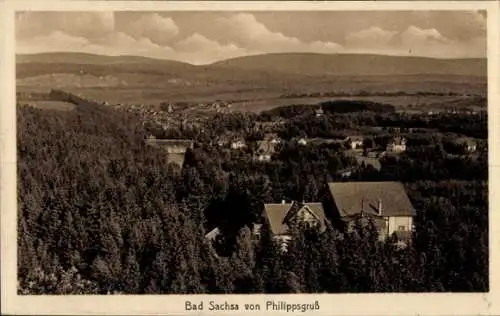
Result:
<point x="356" y="65"/>
<point x="132" y="79"/>
<point x="91" y="59"/>
<point x="308" y="64"/>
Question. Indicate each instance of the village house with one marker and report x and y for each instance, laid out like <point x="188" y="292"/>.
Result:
<point x="265" y="150"/>
<point x="385" y="203"/>
<point x="468" y="144"/>
<point x="319" y="112"/>
<point x="302" y="141"/>
<point x="175" y="148"/>
<point x="282" y="217"/>
<point x="238" y="144"/>
<point x="346" y="172"/>
<point x="354" y="142"/>
<point x="397" y="145"/>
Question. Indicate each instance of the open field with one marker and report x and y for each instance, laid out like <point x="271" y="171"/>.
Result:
<point x="250" y="87"/>
<point x="256" y="100"/>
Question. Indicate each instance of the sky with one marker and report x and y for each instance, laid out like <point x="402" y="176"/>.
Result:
<point x="206" y="37"/>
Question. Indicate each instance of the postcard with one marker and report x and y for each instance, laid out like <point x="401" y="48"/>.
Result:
<point x="197" y="158"/>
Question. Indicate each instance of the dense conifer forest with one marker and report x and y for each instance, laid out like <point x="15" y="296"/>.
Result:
<point x="102" y="213"/>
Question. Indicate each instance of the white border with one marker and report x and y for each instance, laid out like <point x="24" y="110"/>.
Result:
<point x="331" y="304"/>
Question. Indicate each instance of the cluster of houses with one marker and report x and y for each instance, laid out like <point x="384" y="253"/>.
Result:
<point x="268" y="146"/>
<point x="397" y="144"/>
<point x="345" y="205"/>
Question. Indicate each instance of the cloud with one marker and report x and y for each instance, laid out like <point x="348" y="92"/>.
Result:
<point x="200" y="50"/>
<point x="430" y="42"/>
<point x="55" y="42"/>
<point x="417" y="36"/>
<point x="456" y="25"/>
<point x="158" y="29"/>
<point x="371" y="37"/>
<point x="246" y="31"/>
<point x="207" y="38"/>
<point x="414" y="41"/>
<point x="81" y="24"/>
<point x="195" y="49"/>
<point x="113" y="44"/>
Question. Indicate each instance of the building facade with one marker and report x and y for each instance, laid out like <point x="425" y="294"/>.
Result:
<point x="282" y="217"/>
<point x="386" y="204"/>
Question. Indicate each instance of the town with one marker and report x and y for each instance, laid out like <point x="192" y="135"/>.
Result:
<point x="349" y="199"/>
<point x="270" y="197"/>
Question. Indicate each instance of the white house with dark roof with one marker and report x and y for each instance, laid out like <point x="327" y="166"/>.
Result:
<point x="385" y="203"/>
<point x="467" y="143"/>
<point x="265" y="149"/>
<point x="281" y="217"/>
<point x="238" y="144"/>
<point x="319" y="112"/>
<point x="397" y="145"/>
<point x="354" y="142"/>
<point x="302" y="141"/>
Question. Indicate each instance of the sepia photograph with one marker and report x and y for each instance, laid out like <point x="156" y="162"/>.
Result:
<point x="251" y="152"/>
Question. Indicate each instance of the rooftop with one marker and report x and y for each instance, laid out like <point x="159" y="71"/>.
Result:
<point x="351" y="197"/>
<point x="279" y="214"/>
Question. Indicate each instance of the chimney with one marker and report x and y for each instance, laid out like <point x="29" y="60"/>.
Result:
<point x="379" y="208"/>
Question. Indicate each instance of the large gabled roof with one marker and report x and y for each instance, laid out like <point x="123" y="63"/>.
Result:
<point x="351" y="197"/>
<point x="279" y="215"/>
<point x="276" y="214"/>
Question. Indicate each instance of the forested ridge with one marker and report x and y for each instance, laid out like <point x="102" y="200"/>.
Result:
<point x="100" y="212"/>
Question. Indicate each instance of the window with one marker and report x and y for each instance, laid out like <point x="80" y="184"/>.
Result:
<point x="401" y="228"/>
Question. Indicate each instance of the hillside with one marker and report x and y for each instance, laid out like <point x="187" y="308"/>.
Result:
<point x="288" y="63"/>
<point x="356" y="65"/>
<point x="264" y="78"/>
<point x="83" y="58"/>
